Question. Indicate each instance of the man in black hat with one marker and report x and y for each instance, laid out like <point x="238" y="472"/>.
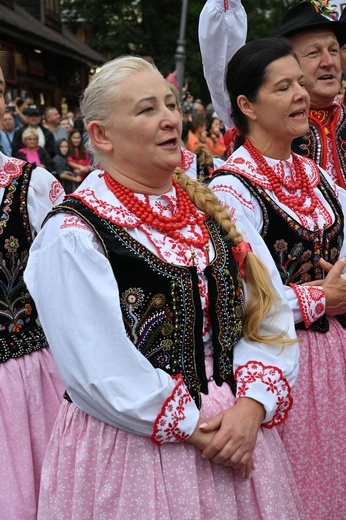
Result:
<point x="316" y="36"/>
<point x="46" y="137"/>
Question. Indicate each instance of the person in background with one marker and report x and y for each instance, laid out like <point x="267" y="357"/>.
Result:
<point x="52" y="119"/>
<point x="30" y="386"/>
<point x="17" y="107"/>
<point x="68" y="179"/>
<point x="200" y="164"/>
<point x="78" y="158"/>
<point x="45" y="136"/>
<point x="32" y="152"/>
<point x="66" y="123"/>
<point x="160" y="309"/>
<point x="316" y="36"/>
<point x="214" y="140"/>
<point x="172" y="78"/>
<point x="300" y="213"/>
<point x="197" y="133"/>
<point x="6" y="133"/>
<point x="71" y="116"/>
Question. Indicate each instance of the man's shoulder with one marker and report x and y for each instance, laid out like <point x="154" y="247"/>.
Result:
<point x="46" y="131"/>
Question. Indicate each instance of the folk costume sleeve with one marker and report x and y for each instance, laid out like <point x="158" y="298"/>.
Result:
<point x="222" y="31"/>
<point x="104" y="374"/>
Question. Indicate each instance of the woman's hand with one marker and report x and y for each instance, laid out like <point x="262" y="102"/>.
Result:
<point x="235" y="440"/>
<point x="334" y="286"/>
<point x="201" y="439"/>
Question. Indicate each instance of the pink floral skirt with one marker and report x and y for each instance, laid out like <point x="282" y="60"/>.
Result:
<point x="30" y="395"/>
<point x="314" y="434"/>
<point x="95" y="471"/>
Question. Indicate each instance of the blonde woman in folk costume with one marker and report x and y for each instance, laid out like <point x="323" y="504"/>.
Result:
<point x="174" y="342"/>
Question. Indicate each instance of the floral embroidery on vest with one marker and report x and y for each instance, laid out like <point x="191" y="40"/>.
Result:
<point x="20" y="333"/>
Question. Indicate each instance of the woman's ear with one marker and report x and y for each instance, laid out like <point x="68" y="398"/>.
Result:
<point x="99" y="136"/>
<point x="246" y="107"/>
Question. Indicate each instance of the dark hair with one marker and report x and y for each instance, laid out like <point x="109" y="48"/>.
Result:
<point x="79" y="152"/>
<point x="57" y="147"/>
<point x="197" y="122"/>
<point x="247" y="71"/>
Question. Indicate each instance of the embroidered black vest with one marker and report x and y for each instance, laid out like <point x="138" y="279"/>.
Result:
<point x="20" y="333"/>
<point x="295" y="249"/>
<point x="314" y="144"/>
<point x="161" y="306"/>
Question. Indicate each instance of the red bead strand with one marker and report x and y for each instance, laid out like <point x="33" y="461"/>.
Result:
<point x="186" y="213"/>
<point x="290" y="198"/>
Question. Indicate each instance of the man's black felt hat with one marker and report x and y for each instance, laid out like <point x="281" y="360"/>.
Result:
<point x="307" y="16"/>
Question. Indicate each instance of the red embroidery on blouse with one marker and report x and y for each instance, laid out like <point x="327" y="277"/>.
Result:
<point x="225" y="5"/>
<point x="166" y="426"/>
<point x="72" y="221"/>
<point x="187" y="159"/>
<point x="55" y="192"/>
<point x="275" y="382"/>
<point x="11" y="170"/>
<point x="240" y="197"/>
<point x="311" y="302"/>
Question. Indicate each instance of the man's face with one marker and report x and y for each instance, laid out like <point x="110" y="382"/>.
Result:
<point x="53" y="117"/>
<point x="33" y="120"/>
<point x="319" y="57"/>
<point x="8" y="123"/>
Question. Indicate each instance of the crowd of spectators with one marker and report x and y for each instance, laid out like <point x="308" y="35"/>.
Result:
<point x="47" y="139"/>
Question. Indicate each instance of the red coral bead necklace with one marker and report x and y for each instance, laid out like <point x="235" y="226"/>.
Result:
<point x="186" y="213"/>
<point x="290" y="198"/>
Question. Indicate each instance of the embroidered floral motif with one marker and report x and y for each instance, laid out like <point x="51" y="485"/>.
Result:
<point x="133" y="298"/>
<point x="15" y="309"/>
<point x="311" y="302"/>
<point x="11" y="244"/>
<point x="294" y="264"/>
<point x="187" y="159"/>
<point x="153" y="318"/>
<point x="166" y="427"/>
<point x="55" y="191"/>
<point x="72" y="221"/>
<point x="275" y="383"/>
<point x="11" y="170"/>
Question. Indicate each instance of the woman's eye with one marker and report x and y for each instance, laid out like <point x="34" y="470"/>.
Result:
<point x="148" y="109"/>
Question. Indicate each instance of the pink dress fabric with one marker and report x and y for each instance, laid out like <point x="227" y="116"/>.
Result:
<point x="30" y="396"/>
<point x="131" y="478"/>
<point x="319" y="413"/>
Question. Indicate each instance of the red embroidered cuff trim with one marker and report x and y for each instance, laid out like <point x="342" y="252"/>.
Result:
<point x="311" y="302"/>
<point x="275" y="383"/>
<point x="166" y="426"/>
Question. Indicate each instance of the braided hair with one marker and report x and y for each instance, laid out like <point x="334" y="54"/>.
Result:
<point x="262" y="295"/>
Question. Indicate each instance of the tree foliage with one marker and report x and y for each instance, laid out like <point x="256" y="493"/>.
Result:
<point x="152" y="28"/>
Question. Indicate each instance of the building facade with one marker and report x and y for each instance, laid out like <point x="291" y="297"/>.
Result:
<point x="45" y="61"/>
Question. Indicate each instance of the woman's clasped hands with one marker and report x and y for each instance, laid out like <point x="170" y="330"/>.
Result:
<point x="229" y="438"/>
